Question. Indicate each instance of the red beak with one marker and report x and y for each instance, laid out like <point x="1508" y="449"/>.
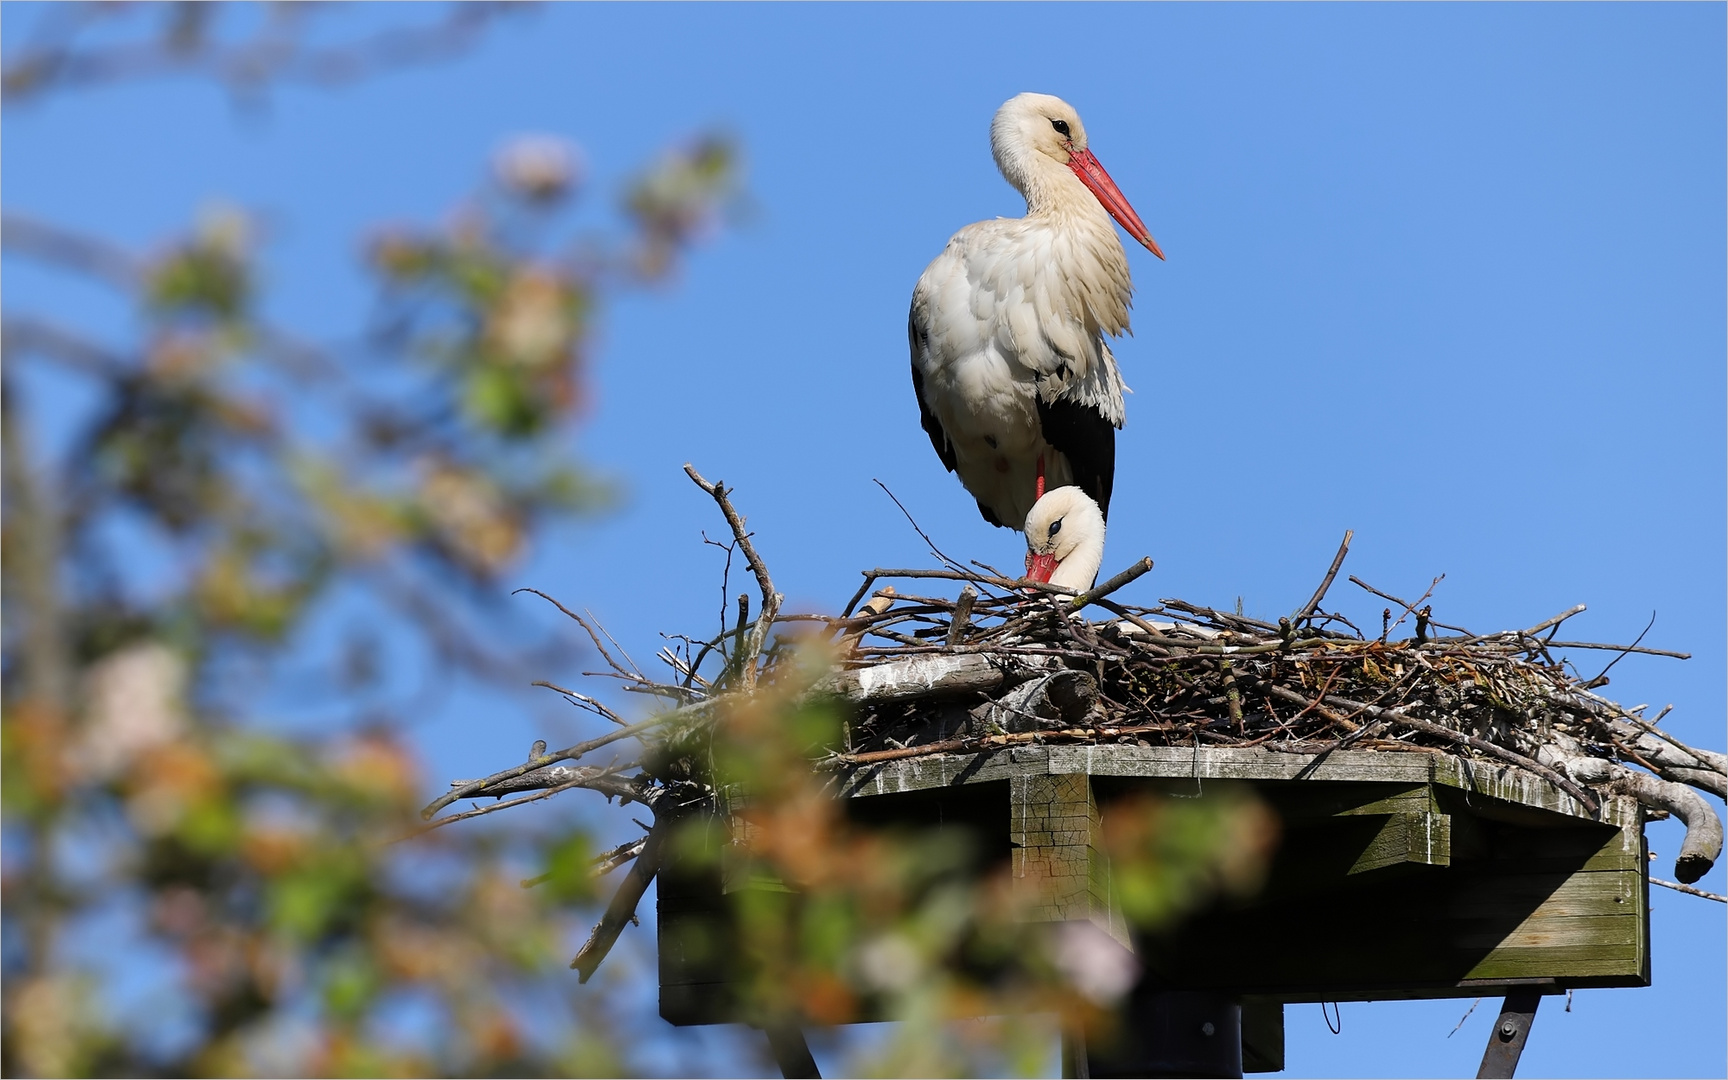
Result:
<point x="1040" y="567"/>
<point x="1091" y="173"/>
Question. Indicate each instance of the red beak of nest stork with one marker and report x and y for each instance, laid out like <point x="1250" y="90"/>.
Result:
<point x="1016" y="385"/>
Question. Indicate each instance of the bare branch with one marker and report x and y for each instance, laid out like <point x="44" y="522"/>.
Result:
<point x="1313" y="603"/>
<point x="623" y="906"/>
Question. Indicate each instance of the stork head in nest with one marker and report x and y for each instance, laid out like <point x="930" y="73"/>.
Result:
<point x="1065" y="539"/>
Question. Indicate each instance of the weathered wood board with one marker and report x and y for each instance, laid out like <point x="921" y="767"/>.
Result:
<point x="1398" y="875"/>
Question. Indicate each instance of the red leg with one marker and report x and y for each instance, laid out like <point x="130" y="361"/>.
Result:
<point x="1038" y="491"/>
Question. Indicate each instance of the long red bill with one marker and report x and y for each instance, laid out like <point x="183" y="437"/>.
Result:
<point x="1091" y="173"/>
<point x="1040" y="567"/>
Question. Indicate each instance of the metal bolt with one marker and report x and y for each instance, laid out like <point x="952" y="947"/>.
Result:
<point x="1207" y="1028"/>
<point x="1508" y="1029"/>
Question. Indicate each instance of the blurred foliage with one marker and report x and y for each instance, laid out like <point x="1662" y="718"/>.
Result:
<point x="831" y="921"/>
<point x="189" y="890"/>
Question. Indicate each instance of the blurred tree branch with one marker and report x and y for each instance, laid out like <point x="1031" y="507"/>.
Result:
<point x="182" y="528"/>
<point x="196" y="39"/>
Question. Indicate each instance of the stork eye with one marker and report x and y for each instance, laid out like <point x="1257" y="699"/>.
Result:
<point x="1061" y="127"/>
<point x="1055" y="526"/>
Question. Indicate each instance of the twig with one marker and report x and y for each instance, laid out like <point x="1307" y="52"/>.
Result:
<point x="635" y="668"/>
<point x="582" y="700"/>
<point x="1359" y="583"/>
<point x="931" y="544"/>
<point x="589" y="780"/>
<point x="1307" y="609"/>
<point x="869" y="580"/>
<point x="1677" y="887"/>
<point x="1555" y="621"/>
<point x="623" y="906"/>
<point x="594" y="637"/>
<point x="603" y="863"/>
<point x="754" y="561"/>
<point x="1408" y="608"/>
<point x="1601" y="678"/>
<point x="1463" y="1018"/>
<point x="962" y="613"/>
<point x="1098" y="592"/>
<point x="1618" y="648"/>
<point x="569" y="753"/>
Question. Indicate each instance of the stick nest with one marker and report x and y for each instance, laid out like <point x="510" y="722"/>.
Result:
<point x="1008" y="662"/>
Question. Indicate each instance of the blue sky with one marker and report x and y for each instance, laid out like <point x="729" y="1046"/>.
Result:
<point x="1451" y="276"/>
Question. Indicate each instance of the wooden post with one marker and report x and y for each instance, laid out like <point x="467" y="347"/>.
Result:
<point x="1511" y="1032"/>
<point x="1053" y="826"/>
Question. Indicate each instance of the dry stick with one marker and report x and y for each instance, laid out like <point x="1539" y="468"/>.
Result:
<point x="623" y="906"/>
<point x="1601" y="678"/>
<point x="1555" y="621"/>
<point x="962" y="613"/>
<point x="622" y="651"/>
<point x="1651" y="727"/>
<point x="1618" y="648"/>
<point x="1307" y="609"/>
<point x="584" y="624"/>
<point x="588" y="781"/>
<point x="1359" y="583"/>
<point x="569" y="753"/>
<point x="1232" y="696"/>
<point x="753" y="560"/>
<point x="771" y="600"/>
<point x="1221" y="617"/>
<point x="582" y="700"/>
<point x="743" y="619"/>
<point x="931" y="544"/>
<point x="869" y="580"/>
<point x="1150" y="630"/>
<point x="1396" y="716"/>
<point x="977" y="579"/>
<point x="603" y="863"/>
<point x="1677" y="887"/>
<point x="1098" y="592"/>
<point x="1421" y="618"/>
<point x="977" y="743"/>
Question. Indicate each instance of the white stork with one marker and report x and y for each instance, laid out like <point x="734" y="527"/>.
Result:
<point x="1015" y="384"/>
<point x="1065" y="539"/>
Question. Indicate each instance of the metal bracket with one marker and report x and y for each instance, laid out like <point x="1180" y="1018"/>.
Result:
<point x="792" y="1053"/>
<point x="1511" y="1032"/>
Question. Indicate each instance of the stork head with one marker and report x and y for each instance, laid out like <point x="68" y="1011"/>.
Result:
<point x="1032" y="131"/>
<point x="1065" y="539"/>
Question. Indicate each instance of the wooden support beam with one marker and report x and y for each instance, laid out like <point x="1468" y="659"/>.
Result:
<point x="1167" y="1033"/>
<point x="1053" y="825"/>
<point x="1511" y="1032"/>
<point x="1420" y="838"/>
<point x="1262" y="1036"/>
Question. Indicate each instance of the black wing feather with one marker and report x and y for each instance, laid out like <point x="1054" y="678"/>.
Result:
<point x="1088" y="440"/>
<point x="926" y="418"/>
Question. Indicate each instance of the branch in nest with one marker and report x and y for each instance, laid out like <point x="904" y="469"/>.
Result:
<point x="1677" y="887"/>
<point x="464" y="789"/>
<point x="623" y="906"/>
<point x="1307" y="609"/>
<point x="566" y="778"/>
<point x="771" y="600"/>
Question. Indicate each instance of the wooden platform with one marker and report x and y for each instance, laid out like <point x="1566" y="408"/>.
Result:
<point x="1399" y="875"/>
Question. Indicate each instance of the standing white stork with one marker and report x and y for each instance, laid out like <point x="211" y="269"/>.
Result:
<point x="1015" y="384"/>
